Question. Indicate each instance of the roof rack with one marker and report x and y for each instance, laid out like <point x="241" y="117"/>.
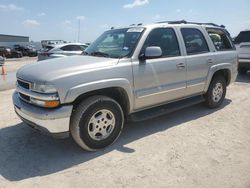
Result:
<point x="185" y="22"/>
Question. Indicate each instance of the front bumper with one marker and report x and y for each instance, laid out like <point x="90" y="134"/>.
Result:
<point x="50" y="121"/>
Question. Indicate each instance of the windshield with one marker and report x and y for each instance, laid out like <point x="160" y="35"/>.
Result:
<point x="116" y="43"/>
<point x="244" y="36"/>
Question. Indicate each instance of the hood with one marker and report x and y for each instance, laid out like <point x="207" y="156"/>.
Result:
<point x="52" y="69"/>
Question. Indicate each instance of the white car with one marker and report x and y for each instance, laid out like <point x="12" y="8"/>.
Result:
<point x="61" y="50"/>
<point x="242" y="43"/>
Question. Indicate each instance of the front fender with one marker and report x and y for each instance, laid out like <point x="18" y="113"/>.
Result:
<point x="78" y="90"/>
<point x="213" y="69"/>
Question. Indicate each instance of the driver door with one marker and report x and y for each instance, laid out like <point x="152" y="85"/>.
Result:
<point x="162" y="79"/>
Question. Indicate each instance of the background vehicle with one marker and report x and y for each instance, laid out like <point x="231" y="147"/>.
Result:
<point x="125" y="74"/>
<point x="16" y="54"/>
<point x="51" y="42"/>
<point x="5" y="51"/>
<point x="10" y="53"/>
<point x="242" y="42"/>
<point x="26" y="50"/>
<point x="61" y="50"/>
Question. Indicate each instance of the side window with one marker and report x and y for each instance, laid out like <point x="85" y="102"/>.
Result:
<point x="220" y="39"/>
<point x="71" y="48"/>
<point x="66" y="48"/>
<point x="166" y="39"/>
<point x="194" y="41"/>
<point x="76" y="48"/>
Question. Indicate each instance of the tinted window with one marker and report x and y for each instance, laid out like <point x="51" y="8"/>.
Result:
<point x="194" y="41"/>
<point x="166" y="39"/>
<point x="220" y="39"/>
<point x="71" y="48"/>
<point x="116" y="43"/>
<point x="244" y="36"/>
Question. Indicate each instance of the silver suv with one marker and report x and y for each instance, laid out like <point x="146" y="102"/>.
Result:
<point x="132" y="73"/>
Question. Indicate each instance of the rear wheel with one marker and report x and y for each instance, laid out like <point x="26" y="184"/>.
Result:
<point x="216" y="92"/>
<point x="96" y="123"/>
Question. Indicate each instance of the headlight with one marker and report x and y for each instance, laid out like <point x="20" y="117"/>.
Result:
<point x="43" y="88"/>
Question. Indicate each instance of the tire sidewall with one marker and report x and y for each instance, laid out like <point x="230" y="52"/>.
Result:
<point x="86" y="116"/>
<point x="211" y="103"/>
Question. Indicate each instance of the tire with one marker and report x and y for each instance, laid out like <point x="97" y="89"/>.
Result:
<point x="216" y="92"/>
<point x="96" y="123"/>
<point x="242" y="71"/>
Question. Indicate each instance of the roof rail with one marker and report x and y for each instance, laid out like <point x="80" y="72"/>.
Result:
<point x="185" y="22"/>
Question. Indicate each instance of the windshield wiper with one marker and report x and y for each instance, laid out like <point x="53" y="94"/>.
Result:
<point x="99" y="54"/>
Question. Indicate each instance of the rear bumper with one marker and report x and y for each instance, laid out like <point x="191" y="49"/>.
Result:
<point x="50" y="121"/>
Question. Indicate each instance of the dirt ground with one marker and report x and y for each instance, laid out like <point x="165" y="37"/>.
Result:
<point x="193" y="147"/>
<point x="12" y="65"/>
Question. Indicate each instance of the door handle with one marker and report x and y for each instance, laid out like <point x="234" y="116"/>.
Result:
<point x="209" y="61"/>
<point x="180" y="66"/>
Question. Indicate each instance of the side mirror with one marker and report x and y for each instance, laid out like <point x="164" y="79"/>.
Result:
<point x="153" y="52"/>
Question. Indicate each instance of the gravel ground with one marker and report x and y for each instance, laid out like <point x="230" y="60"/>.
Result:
<point x="194" y="147"/>
<point x="12" y="65"/>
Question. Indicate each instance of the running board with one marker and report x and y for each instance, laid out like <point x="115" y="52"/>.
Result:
<point x="165" y="109"/>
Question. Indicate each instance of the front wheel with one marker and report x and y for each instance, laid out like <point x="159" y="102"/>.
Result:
<point x="216" y="92"/>
<point x="96" y="123"/>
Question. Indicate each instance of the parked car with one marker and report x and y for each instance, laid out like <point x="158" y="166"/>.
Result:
<point x="242" y="42"/>
<point x="26" y="50"/>
<point x="61" y="50"/>
<point x="9" y="53"/>
<point x="132" y="73"/>
<point x="2" y="61"/>
<point x="5" y="51"/>
<point x="16" y="54"/>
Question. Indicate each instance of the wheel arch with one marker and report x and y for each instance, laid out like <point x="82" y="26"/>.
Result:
<point x="117" y="93"/>
<point x="223" y="71"/>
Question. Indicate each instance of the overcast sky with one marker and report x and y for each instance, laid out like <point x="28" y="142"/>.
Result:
<point x="51" y="19"/>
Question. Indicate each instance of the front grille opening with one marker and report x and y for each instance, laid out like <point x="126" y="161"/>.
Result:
<point x="24" y="97"/>
<point x="23" y="84"/>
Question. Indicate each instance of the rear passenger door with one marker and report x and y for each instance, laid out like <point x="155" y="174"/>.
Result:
<point x="198" y="59"/>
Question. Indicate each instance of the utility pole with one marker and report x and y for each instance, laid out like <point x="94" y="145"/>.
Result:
<point x="79" y="29"/>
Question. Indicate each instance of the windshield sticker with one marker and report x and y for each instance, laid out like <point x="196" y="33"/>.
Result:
<point x="138" y="30"/>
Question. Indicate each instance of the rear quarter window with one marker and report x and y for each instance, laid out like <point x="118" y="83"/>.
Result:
<point x="221" y="39"/>
<point x="195" y="42"/>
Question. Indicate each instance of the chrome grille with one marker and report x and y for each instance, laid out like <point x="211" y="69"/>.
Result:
<point x="24" y="97"/>
<point x="25" y="85"/>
